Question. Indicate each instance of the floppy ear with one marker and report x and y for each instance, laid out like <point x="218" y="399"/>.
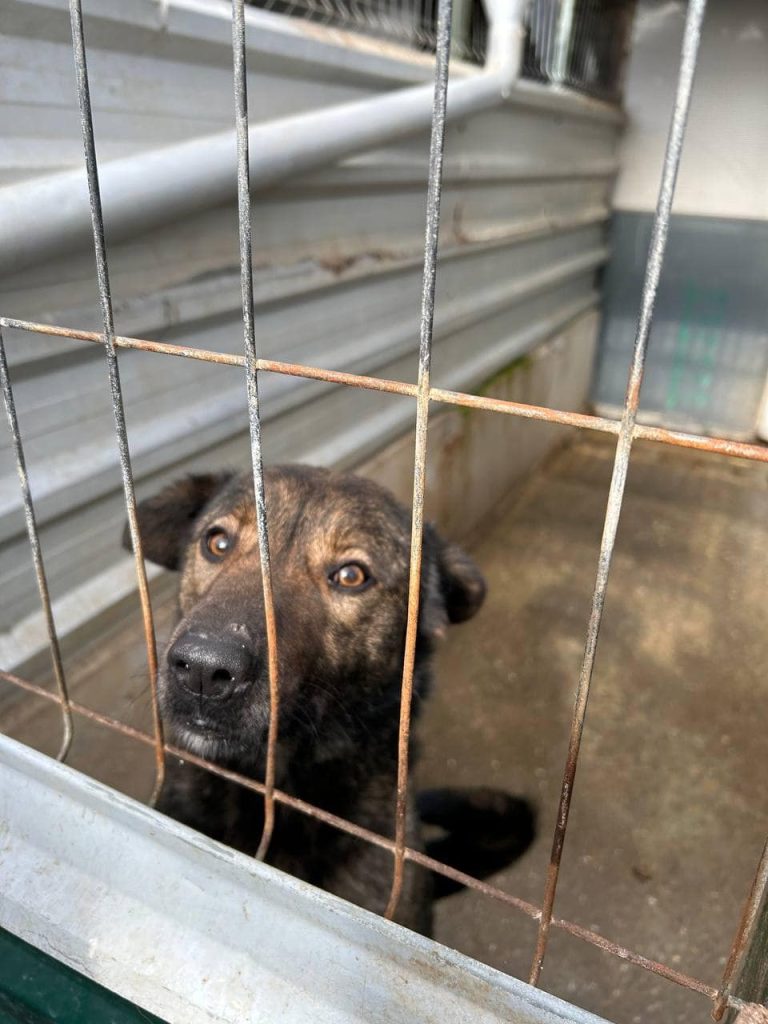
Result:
<point x="166" y="519"/>
<point x="455" y="587"/>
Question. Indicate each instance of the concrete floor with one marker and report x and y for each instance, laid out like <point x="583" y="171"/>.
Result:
<point x="670" y="809"/>
<point x="670" y="806"/>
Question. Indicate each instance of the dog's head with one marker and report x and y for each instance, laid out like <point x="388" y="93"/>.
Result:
<point x="339" y="552"/>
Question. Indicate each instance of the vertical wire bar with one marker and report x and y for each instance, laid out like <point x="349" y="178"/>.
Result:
<point x="246" y="281"/>
<point x="37" y="554"/>
<point x="105" y="298"/>
<point x="757" y="898"/>
<point x="434" y="190"/>
<point x="691" y="37"/>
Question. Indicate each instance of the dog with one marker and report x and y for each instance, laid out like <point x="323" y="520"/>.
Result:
<point x="340" y="551"/>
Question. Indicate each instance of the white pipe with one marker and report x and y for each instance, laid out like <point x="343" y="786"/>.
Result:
<point x="506" y="20"/>
<point x="563" y="44"/>
<point x="49" y="216"/>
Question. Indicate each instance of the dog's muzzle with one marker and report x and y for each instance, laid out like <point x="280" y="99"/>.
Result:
<point x="211" y="668"/>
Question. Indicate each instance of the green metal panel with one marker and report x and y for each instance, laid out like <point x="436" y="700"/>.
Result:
<point x="35" y="989"/>
<point x="708" y="352"/>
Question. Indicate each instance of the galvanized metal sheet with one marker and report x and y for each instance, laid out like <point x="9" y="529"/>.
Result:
<point x="198" y="933"/>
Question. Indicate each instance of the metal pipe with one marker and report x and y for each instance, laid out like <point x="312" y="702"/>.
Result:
<point x="563" y="42"/>
<point x="506" y="35"/>
<point x="50" y="215"/>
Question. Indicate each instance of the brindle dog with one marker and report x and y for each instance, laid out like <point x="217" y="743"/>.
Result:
<point x="340" y="548"/>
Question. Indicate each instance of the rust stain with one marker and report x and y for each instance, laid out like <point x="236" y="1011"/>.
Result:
<point x="338" y="264"/>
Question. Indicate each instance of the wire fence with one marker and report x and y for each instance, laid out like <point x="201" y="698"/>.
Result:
<point x="412" y="23"/>
<point x="580" y="44"/>
<point x="721" y="996"/>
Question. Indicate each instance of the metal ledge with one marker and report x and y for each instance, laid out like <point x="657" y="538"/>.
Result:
<point x="197" y="933"/>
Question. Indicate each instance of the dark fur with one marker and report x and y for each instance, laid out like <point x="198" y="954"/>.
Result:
<point x="340" y="657"/>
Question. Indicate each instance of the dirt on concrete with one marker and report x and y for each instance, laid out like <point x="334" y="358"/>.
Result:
<point x="670" y="807"/>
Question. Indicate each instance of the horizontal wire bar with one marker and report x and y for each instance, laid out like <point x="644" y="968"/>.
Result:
<point x="582" y="421"/>
<point x="366" y="835"/>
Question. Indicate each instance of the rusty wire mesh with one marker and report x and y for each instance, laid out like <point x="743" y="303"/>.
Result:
<point x="627" y="430"/>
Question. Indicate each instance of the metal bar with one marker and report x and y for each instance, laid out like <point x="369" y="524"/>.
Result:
<point x="757" y="900"/>
<point x="415" y="856"/>
<point x="563" y="40"/>
<point x="105" y="298"/>
<point x="692" y="34"/>
<point x="660" y="435"/>
<point x="37" y="553"/>
<point x="506" y="35"/>
<point x="434" y="189"/>
<point x="50" y="216"/>
<point x="627" y="430"/>
<point x="246" y="272"/>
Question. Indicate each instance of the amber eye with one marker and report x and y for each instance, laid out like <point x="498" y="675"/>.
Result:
<point x="351" y="576"/>
<point x="217" y="543"/>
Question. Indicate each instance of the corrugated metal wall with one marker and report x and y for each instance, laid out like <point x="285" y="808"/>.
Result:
<point x="337" y="268"/>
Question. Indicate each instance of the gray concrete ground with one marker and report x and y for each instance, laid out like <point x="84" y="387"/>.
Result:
<point x="670" y="805"/>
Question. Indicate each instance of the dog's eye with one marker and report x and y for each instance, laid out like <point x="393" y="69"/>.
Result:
<point x="217" y="543"/>
<point x="352" y="576"/>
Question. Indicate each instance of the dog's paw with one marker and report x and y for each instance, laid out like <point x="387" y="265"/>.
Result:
<point x="483" y="830"/>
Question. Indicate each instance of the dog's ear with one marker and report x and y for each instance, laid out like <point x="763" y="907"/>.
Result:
<point x="454" y="589"/>
<point x="166" y="519"/>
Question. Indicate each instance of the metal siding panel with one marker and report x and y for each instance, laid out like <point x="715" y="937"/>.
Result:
<point x="337" y="268"/>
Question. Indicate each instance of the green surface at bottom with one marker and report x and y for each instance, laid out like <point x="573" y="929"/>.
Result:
<point x="36" y="989"/>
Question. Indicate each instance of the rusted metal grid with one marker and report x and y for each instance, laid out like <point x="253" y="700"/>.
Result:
<point x="627" y="430"/>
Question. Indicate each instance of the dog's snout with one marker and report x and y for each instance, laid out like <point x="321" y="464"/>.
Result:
<point x="209" y="667"/>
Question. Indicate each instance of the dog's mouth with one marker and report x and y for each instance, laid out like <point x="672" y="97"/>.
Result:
<point x="214" y="741"/>
<point x="220" y="730"/>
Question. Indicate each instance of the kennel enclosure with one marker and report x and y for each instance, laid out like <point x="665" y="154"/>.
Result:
<point x="103" y="950"/>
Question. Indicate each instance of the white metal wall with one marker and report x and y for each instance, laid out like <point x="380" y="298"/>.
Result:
<point x="708" y="354"/>
<point x="722" y="173"/>
<point x="337" y="268"/>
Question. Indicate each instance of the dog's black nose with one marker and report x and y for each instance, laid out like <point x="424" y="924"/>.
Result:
<point x="207" y="666"/>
